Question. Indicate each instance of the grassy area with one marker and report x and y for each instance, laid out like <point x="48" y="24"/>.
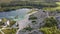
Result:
<point x="58" y="3"/>
<point x="1" y="27"/>
<point x="5" y="1"/>
<point x="51" y="30"/>
<point x="0" y="33"/>
<point x="53" y="8"/>
<point x="10" y="31"/>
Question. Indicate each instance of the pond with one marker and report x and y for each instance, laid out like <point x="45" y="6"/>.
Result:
<point x="16" y="14"/>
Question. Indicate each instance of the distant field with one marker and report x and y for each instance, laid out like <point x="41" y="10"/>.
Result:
<point x="53" y="8"/>
<point x="13" y="5"/>
<point x="5" y="1"/>
<point x="24" y="4"/>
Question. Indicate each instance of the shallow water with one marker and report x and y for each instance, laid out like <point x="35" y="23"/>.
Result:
<point x="20" y="13"/>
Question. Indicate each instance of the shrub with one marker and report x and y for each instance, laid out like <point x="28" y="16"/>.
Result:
<point x="34" y="22"/>
<point x="32" y="18"/>
<point x="28" y="28"/>
<point x="51" y="30"/>
<point x="51" y="21"/>
<point x="12" y="22"/>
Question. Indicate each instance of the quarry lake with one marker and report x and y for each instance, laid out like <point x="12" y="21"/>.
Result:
<point x="16" y="14"/>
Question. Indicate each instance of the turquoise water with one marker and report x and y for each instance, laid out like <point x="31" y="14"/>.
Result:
<point x="16" y="14"/>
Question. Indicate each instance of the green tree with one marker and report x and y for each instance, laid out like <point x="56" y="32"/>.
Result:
<point x="28" y="28"/>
